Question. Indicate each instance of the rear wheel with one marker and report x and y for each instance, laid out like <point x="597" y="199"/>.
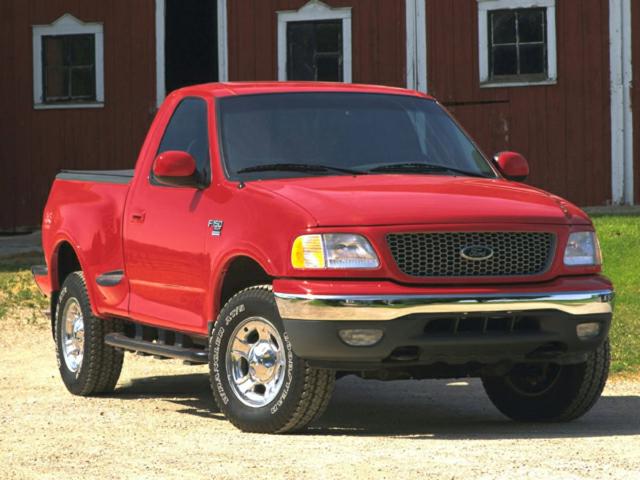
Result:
<point x="87" y="366"/>
<point x="550" y="392"/>
<point x="258" y="382"/>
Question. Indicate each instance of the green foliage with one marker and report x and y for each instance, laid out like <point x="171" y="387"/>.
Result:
<point x="19" y="295"/>
<point x="620" y="241"/>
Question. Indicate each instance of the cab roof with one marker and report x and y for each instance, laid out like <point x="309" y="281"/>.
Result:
<point x="224" y="89"/>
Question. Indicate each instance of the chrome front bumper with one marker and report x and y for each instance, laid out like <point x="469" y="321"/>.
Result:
<point x="385" y="308"/>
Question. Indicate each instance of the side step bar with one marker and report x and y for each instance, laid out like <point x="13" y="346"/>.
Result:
<point x="120" y="340"/>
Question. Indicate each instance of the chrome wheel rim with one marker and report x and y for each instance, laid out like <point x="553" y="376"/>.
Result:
<point x="255" y="362"/>
<point x="534" y="380"/>
<point x="73" y="335"/>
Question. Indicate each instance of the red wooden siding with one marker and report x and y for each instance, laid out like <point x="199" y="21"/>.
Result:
<point x="378" y="39"/>
<point x="563" y="129"/>
<point x="38" y="143"/>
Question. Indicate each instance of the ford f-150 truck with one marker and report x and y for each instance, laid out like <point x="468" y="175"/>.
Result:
<point x="290" y="233"/>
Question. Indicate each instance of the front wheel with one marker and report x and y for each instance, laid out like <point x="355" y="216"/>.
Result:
<point x="550" y="392"/>
<point x="257" y="380"/>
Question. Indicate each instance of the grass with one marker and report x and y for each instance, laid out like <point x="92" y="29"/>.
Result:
<point x="20" y="298"/>
<point x="620" y="241"/>
<point x="619" y="236"/>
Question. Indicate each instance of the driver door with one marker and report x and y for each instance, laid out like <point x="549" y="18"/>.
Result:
<point x="166" y="229"/>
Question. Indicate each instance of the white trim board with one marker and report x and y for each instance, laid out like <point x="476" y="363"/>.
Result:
<point x="161" y="90"/>
<point x="67" y="24"/>
<point x="223" y="41"/>
<point x="484" y="6"/>
<point x="621" y="77"/>
<point x="223" y="63"/>
<point x="315" y="10"/>
<point x="416" y="27"/>
<point x="67" y="106"/>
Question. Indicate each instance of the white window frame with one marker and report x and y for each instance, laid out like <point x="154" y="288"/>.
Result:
<point x="67" y="24"/>
<point x="484" y="7"/>
<point x="416" y="22"/>
<point x="161" y="90"/>
<point x="315" y="10"/>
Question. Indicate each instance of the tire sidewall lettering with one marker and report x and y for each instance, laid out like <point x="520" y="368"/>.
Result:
<point x="289" y="373"/>
<point x="216" y="363"/>
<point x="234" y="313"/>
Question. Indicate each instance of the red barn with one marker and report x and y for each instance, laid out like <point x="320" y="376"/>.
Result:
<point x="550" y="78"/>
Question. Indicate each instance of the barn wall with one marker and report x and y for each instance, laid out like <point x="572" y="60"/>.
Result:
<point x="562" y="129"/>
<point x="38" y="143"/>
<point x="378" y="39"/>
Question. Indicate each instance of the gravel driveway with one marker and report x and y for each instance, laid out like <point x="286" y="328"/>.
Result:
<point x="159" y="425"/>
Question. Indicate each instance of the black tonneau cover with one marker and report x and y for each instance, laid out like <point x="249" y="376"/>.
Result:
<point x="102" y="176"/>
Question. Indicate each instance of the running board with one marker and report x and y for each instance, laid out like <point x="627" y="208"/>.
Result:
<point x="120" y="340"/>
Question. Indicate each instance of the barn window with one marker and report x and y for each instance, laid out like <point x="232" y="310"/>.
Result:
<point x="314" y="43"/>
<point x="69" y="68"/>
<point x="314" y="50"/>
<point x="517" y="43"/>
<point x="68" y="64"/>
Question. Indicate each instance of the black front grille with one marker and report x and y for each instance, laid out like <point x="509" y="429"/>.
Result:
<point x="440" y="254"/>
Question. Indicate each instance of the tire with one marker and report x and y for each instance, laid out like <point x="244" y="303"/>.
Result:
<point x="87" y="366"/>
<point x="263" y="386"/>
<point x="551" y="393"/>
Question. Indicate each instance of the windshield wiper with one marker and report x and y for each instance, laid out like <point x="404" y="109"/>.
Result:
<point x="299" y="167"/>
<point x="418" y="167"/>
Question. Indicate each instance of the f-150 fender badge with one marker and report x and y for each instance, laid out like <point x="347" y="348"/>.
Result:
<point x="216" y="226"/>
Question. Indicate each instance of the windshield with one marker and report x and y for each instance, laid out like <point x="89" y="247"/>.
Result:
<point x="320" y="133"/>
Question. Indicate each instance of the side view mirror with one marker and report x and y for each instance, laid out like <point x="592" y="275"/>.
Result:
<point x="512" y="165"/>
<point x="176" y="168"/>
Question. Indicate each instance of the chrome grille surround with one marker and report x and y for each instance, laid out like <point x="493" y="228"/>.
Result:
<point x="443" y="254"/>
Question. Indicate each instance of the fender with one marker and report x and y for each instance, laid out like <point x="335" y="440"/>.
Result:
<point x="62" y="238"/>
<point x="220" y="266"/>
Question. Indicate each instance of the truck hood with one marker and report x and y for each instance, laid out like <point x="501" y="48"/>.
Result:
<point x="370" y="200"/>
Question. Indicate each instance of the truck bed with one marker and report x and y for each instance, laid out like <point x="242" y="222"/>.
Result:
<point x="85" y="209"/>
<point x="101" y="176"/>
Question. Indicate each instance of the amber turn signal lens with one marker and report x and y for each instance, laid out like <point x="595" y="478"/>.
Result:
<point x="308" y="252"/>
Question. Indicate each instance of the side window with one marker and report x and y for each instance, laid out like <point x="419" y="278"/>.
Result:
<point x="187" y="131"/>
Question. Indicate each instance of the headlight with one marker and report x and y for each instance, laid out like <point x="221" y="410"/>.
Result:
<point x="333" y="250"/>
<point x="582" y="250"/>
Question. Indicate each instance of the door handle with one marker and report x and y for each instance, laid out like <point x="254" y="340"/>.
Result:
<point x="137" y="217"/>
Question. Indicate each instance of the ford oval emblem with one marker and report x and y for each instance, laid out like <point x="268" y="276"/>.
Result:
<point x="476" y="253"/>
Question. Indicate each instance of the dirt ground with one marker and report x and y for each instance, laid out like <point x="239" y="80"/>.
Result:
<point x="159" y="424"/>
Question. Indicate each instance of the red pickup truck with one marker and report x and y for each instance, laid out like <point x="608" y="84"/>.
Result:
<point x="290" y="233"/>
